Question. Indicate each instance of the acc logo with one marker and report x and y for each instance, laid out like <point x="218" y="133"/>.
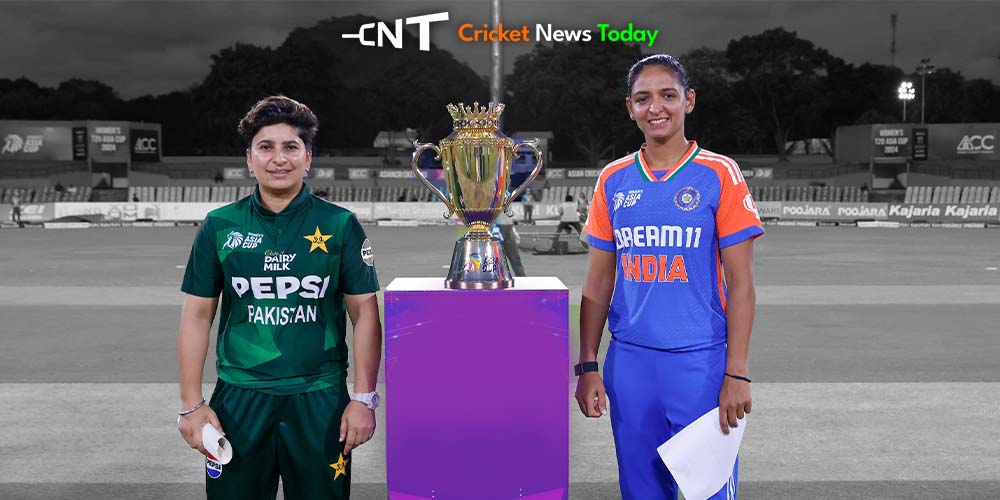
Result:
<point x="367" y="254"/>
<point x="749" y="205"/>
<point x="687" y="198"/>
<point x="252" y="240"/>
<point x="233" y="240"/>
<point x="145" y="145"/>
<point x="213" y="468"/>
<point x="627" y="200"/>
<point x="976" y="144"/>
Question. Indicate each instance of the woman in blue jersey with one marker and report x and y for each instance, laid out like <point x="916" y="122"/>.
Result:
<point x="671" y="229"/>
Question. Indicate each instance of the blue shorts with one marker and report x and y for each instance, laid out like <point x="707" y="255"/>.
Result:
<point x="653" y="395"/>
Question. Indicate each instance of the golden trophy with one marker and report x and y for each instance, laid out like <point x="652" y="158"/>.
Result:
<point x="476" y="158"/>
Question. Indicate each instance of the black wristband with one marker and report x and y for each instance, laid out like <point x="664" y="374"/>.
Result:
<point x="587" y="366"/>
<point x="737" y="377"/>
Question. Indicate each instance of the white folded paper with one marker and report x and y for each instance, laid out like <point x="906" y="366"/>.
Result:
<point x="216" y="444"/>
<point x="701" y="457"/>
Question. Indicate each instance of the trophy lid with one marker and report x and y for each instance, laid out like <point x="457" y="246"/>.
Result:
<point x="476" y="116"/>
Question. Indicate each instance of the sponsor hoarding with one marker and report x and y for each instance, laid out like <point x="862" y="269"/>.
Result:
<point x="954" y="212"/>
<point x="35" y="143"/>
<point x="145" y="145"/>
<point x="829" y="211"/>
<point x="108" y="141"/>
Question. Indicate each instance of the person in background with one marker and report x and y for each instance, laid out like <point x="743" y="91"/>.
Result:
<point x="528" y="202"/>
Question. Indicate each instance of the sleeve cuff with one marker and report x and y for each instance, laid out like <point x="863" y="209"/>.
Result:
<point x="740" y="236"/>
<point x="607" y="246"/>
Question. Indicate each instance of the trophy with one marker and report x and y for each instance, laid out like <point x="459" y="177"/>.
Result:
<point x="477" y="158"/>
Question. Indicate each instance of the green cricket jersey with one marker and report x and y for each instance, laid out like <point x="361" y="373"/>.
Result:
<point x="282" y="276"/>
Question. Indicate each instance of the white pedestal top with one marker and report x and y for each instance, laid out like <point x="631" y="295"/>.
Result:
<point x="437" y="284"/>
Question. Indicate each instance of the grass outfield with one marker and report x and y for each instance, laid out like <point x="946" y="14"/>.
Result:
<point x="872" y="348"/>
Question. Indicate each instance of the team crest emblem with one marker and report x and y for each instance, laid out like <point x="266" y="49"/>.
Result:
<point x="687" y="198"/>
<point x="212" y="468"/>
<point x="339" y="467"/>
<point x="317" y="240"/>
<point x="233" y="240"/>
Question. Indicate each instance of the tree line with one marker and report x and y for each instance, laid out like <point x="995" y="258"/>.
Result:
<point x="759" y="92"/>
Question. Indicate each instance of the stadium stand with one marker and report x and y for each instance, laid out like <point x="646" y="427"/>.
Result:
<point x="45" y="194"/>
<point x="843" y="194"/>
<point x="952" y="194"/>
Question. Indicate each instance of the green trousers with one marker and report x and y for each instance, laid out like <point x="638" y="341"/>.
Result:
<point x="295" y="437"/>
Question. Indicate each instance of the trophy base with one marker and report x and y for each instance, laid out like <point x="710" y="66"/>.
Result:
<point x="478" y="263"/>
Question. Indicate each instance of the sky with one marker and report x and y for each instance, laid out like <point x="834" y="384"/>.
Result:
<point x="154" y="47"/>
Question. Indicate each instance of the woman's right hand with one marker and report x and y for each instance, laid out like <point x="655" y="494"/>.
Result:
<point x="190" y="426"/>
<point x="590" y="395"/>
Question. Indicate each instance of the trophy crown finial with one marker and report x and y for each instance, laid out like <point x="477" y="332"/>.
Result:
<point x="476" y="116"/>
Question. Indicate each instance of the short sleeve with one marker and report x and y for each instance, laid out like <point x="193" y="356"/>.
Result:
<point x="203" y="275"/>
<point x="737" y="219"/>
<point x="598" y="226"/>
<point x="357" y="261"/>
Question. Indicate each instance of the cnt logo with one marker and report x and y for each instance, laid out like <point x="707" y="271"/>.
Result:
<point x="394" y="35"/>
<point x="976" y="144"/>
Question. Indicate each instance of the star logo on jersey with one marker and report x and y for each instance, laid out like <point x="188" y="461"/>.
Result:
<point x="339" y="467"/>
<point x="318" y="240"/>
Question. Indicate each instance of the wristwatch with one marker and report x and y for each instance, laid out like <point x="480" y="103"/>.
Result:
<point x="370" y="399"/>
<point x="586" y="366"/>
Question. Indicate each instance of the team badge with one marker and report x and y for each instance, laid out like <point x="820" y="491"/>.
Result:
<point x="687" y="198"/>
<point x="233" y="240"/>
<point x="367" y="254"/>
<point x="318" y="240"/>
<point x="339" y="467"/>
<point x="213" y="468"/>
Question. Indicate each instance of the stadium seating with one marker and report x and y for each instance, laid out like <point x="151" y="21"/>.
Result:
<point x="974" y="195"/>
<point x="841" y="194"/>
<point x="45" y="194"/>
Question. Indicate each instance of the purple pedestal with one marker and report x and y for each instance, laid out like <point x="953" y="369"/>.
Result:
<point x="477" y="401"/>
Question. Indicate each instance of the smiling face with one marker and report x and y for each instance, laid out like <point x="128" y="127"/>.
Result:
<point x="658" y="102"/>
<point x="278" y="158"/>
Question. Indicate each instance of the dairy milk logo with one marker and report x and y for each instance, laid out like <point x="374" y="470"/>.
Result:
<point x="233" y="240"/>
<point x="394" y="36"/>
<point x="976" y="144"/>
<point x="278" y="261"/>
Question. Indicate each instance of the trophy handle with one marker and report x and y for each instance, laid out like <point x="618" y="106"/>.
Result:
<point x="416" y="170"/>
<point x="531" y="178"/>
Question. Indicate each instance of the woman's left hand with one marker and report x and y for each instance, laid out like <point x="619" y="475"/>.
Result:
<point x="734" y="402"/>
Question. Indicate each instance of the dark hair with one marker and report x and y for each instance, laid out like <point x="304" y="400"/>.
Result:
<point x="569" y="197"/>
<point x="279" y="109"/>
<point x="665" y="60"/>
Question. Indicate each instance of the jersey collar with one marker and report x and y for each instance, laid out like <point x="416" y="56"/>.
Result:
<point x="647" y="172"/>
<point x="297" y="203"/>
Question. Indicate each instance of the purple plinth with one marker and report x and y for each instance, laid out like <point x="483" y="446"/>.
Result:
<point x="477" y="399"/>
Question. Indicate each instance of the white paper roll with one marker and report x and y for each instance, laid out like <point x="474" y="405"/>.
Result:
<point x="216" y="444"/>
